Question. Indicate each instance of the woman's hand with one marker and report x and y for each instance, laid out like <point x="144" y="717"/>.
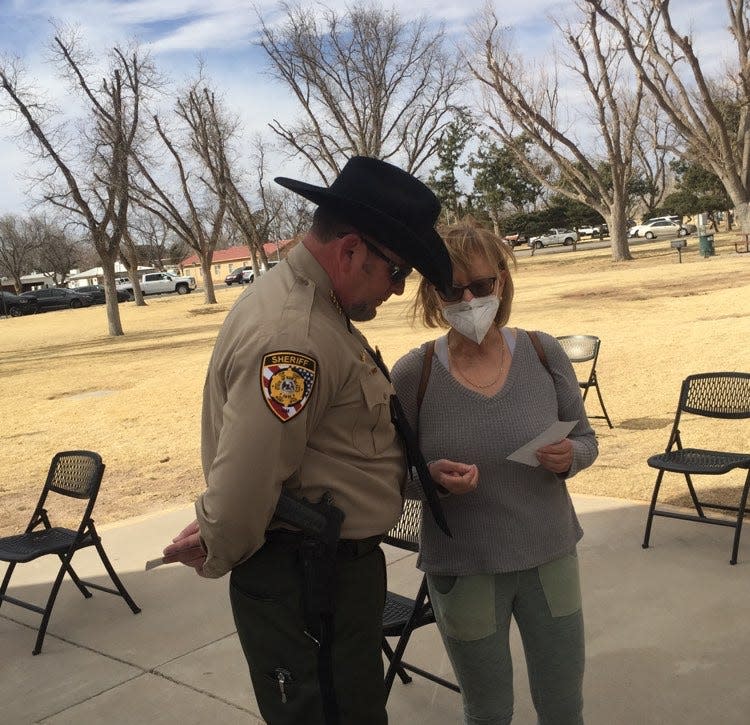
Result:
<point x="556" y="457"/>
<point x="455" y="477"/>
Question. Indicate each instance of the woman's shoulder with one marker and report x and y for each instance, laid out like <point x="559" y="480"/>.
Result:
<point x="547" y="340"/>
<point x="411" y="361"/>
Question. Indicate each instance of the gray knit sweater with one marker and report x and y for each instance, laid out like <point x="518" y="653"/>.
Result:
<point x="518" y="517"/>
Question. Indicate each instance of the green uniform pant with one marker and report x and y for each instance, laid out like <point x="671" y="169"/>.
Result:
<point x="473" y="614"/>
<point x="266" y="595"/>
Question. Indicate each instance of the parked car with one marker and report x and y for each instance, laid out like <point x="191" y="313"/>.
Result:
<point x="594" y="231"/>
<point x="57" y="298"/>
<point x="248" y="275"/>
<point x="658" y="228"/>
<point x="554" y="236"/>
<point x="516" y="239"/>
<point x="236" y="276"/>
<point x="672" y="218"/>
<point x="157" y="283"/>
<point x="98" y="295"/>
<point x="16" y="305"/>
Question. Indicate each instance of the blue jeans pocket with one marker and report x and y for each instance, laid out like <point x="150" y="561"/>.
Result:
<point x="464" y="606"/>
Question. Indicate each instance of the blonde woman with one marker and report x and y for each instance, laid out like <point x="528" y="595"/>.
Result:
<point x="490" y="389"/>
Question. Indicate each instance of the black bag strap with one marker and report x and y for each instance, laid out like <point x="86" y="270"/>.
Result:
<point x="426" y="368"/>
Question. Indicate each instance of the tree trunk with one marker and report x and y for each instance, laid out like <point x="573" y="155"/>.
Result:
<point x="113" y="310"/>
<point x="618" y="233"/>
<point x="129" y="258"/>
<point x="208" y="281"/>
<point x="742" y="217"/>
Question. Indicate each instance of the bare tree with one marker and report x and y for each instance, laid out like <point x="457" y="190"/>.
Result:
<point x="199" y="152"/>
<point x="17" y="248"/>
<point x="521" y="102"/>
<point x="56" y="251"/>
<point x="656" y="145"/>
<point x="712" y="115"/>
<point x="154" y="239"/>
<point x="293" y="218"/>
<point x="368" y="84"/>
<point x="255" y="221"/>
<point x="89" y="159"/>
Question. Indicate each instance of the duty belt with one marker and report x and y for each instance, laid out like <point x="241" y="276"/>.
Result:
<point x="345" y="549"/>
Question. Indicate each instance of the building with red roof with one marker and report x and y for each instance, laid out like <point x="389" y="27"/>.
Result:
<point x="227" y="260"/>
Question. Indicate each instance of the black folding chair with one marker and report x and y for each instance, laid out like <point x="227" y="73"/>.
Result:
<point x="714" y="395"/>
<point x="402" y="615"/>
<point x="77" y="474"/>
<point x="582" y="349"/>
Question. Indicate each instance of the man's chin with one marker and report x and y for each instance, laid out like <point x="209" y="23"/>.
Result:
<point x="362" y="312"/>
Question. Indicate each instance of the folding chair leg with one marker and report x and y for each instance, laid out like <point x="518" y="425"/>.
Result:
<point x="48" y="610"/>
<point x="395" y="664"/>
<point x="650" y="517"/>
<point x="694" y="495"/>
<point x="400" y="671"/>
<point x="601" y="402"/>
<point x="113" y="576"/>
<point x="740" y="518"/>
<point x="403" y="640"/>
<point x="6" y="580"/>
<point x="76" y="579"/>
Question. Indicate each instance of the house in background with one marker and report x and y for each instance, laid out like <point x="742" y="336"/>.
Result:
<point x="95" y="275"/>
<point x="228" y="260"/>
<point x="29" y="282"/>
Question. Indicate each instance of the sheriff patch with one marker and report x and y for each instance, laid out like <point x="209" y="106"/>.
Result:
<point x="287" y="379"/>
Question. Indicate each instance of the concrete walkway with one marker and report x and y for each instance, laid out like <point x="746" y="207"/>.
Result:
<point x="666" y="633"/>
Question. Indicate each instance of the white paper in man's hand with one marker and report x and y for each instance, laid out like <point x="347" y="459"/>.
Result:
<point x="555" y="433"/>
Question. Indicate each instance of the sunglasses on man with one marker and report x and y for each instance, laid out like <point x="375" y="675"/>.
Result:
<point x="398" y="272"/>
<point x="478" y="287"/>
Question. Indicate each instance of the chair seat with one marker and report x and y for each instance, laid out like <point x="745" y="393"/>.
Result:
<point x="26" y="547"/>
<point x="698" y="460"/>
<point x="397" y="611"/>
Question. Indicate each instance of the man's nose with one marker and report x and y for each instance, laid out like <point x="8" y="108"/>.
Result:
<point x="398" y="287"/>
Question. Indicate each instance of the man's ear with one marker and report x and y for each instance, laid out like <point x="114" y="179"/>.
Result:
<point x="347" y="250"/>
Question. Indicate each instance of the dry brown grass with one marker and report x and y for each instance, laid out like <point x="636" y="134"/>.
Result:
<point x="65" y="384"/>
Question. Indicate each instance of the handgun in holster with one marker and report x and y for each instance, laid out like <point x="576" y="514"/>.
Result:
<point x="320" y="524"/>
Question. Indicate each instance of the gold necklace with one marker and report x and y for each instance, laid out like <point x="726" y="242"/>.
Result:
<point x="471" y="382"/>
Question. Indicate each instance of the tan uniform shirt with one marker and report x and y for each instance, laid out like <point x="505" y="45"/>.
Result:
<point x="293" y="399"/>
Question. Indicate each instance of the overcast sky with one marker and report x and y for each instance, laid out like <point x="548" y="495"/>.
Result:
<point x="222" y="32"/>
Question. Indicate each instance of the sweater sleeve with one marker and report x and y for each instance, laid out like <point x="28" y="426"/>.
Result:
<point x="570" y="405"/>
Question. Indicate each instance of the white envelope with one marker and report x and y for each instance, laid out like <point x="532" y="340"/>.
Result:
<point x="556" y="432"/>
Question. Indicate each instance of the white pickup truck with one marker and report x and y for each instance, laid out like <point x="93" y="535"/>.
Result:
<point x="154" y="283"/>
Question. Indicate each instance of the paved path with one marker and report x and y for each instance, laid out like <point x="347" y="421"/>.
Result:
<point x="666" y="632"/>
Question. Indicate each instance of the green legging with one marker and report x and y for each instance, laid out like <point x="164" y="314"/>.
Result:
<point x="473" y="614"/>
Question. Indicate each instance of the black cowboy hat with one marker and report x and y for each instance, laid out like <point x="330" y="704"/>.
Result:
<point x="389" y="204"/>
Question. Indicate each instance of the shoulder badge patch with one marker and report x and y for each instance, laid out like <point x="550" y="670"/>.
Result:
<point x="287" y="379"/>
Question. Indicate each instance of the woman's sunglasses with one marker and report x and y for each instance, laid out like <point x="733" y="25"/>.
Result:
<point x="478" y="287"/>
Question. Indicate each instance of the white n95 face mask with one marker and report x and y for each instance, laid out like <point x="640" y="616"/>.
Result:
<point x="474" y="318"/>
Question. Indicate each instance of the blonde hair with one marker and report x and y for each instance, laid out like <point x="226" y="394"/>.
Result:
<point x="465" y="241"/>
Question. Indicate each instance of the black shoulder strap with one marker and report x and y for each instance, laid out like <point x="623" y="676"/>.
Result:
<point x="536" y="342"/>
<point x="426" y="368"/>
